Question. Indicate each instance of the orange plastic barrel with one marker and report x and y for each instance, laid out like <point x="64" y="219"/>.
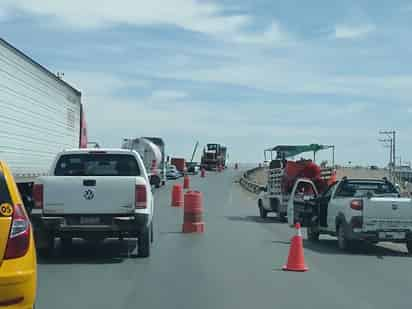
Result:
<point x="177" y="195"/>
<point x="193" y="213"/>
<point x="186" y="182"/>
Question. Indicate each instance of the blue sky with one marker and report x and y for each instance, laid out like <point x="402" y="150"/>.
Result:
<point x="250" y="74"/>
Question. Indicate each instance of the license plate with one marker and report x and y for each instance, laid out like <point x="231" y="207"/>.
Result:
<point x="89" y="220"/>
<point x="392" y="235"/>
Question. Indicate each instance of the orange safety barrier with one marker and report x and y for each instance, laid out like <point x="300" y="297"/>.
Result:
<point x="193" y="213"/>
<point x="186" y="182"/>
<point x="177" y="195"/>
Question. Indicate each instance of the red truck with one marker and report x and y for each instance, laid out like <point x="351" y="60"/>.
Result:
<point x="180" y="164"/>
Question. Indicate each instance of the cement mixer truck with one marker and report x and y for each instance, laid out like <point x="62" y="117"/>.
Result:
<point x="151" y="155"/>
<point x="283" y="173"/>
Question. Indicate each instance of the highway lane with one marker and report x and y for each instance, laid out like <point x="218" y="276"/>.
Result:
<point x="234" y="264"/>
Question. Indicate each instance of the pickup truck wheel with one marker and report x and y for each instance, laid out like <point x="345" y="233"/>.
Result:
<point x="262" y="211"/>
<point x="343" y="243"/>
<point x="409" y="245"/>
<point x="143" y="242"/>
<point x="313" y="234"/>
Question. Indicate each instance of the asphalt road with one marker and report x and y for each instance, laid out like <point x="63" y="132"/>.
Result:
<point x="234" y="264"/>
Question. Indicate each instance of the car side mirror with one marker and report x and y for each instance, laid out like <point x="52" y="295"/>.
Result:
<point x="153" y="180"/>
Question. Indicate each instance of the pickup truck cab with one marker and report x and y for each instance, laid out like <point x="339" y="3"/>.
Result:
<point x="94" y="194"/>
<point x="353" y="210"/>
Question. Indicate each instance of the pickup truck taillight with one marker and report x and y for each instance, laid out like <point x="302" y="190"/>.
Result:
<point x="356" y="204"/>
<point x="38" y="196"/>
<point x="19" y="237"/>
<point x="140" y="197"/>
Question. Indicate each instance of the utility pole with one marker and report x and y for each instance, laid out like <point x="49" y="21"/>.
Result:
<point x="392" y="135"/>
<point x="388" y="143"/>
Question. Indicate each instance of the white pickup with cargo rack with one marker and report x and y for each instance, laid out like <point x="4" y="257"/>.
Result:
<point x="282" y="173"/>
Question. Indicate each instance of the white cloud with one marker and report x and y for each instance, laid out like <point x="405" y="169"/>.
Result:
<point x="199" y="16"/>
<point x="273" y="34"/>
<point x="187" y="14"/>
<point x="101" y="84"/>
<point x="167" y="95"/>
<point x="353" y="31"/>
<point x="286" y="76"/>
<point x="183" y="120"/>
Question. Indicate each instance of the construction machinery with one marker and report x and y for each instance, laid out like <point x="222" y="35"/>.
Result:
<point x="214" y="155"/>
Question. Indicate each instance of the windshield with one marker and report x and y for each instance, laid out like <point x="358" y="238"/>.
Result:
<point x="353" y="188"/>
<point x="97" y="165"/>
<point x="211" y="147"/>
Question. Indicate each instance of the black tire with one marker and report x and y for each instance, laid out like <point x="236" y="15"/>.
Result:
<point x="313" y="234"/>
<point x="344" y="244"/>
<point x="409" y="245"/>
<point x="282" y="217"/>
<point x="262" y="211"/>
<point x="143" y="243"/>
<point x="66" y="242"/>
<point x="151" y="233"/>
<point x="48" y="249"/>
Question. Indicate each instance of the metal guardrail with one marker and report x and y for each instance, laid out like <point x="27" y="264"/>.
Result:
<point x="249" y="185"/>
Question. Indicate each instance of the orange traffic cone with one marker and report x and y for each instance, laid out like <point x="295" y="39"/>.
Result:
<point x="296" y="259"/>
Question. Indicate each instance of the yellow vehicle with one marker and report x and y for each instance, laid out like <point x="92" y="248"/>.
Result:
<point x="17" y="251"/>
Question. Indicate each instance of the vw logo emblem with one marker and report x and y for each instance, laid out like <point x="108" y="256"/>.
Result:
<point x="394" y="206"/>
<point x="88" y="194"/>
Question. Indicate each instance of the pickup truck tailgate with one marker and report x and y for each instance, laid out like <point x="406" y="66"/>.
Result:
<point x="387" y="213"/>
<point x="89" y="195"/>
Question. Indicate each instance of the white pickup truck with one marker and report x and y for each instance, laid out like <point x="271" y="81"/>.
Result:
<point x="353" y="210"/>
<point x="94" y="194"/>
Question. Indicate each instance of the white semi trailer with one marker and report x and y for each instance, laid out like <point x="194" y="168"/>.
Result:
<point x="41" y="115"/>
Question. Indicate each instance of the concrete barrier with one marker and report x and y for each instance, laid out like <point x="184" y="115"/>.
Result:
<point x="250" y="185"/>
